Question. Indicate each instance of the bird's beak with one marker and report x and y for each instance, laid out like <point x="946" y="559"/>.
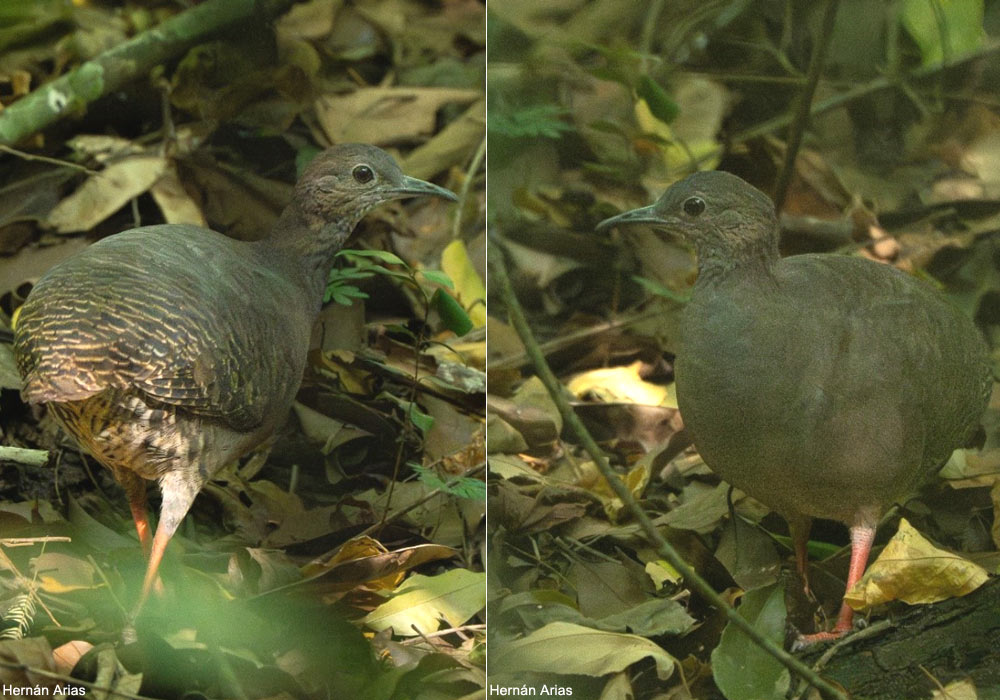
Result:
<point x="643" y="215"/>
<point x="412" y="187"/>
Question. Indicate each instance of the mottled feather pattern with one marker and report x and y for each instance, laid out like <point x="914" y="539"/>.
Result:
<point x="122" y="430"/>
<point x="168" y="351"/>
<point x="224" y="358"/>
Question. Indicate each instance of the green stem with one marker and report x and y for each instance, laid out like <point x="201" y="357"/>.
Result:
<point x="71" y="93"/>
<point x="802" y="109"/>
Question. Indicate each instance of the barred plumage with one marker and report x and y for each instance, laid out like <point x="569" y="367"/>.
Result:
<point x="168" y="351"/>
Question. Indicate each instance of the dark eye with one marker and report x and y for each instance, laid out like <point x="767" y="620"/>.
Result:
<point x="693" y="206"/>
<point x="363" y="174"/>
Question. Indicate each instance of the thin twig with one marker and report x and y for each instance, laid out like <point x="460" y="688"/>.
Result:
<point x="45" y="159"/>
<point x="441" y="633"/>
<point x="29" y="541"/>
<point x="648" y="30"/>
<point x="663" y="548"/>
<point x="880" y="83"/>
<point x="463" y="193"/>
<point x="802" y="109"/>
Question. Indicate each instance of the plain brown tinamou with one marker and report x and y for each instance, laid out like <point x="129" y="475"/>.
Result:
<point x="169" y="351"/>
<point x="825" y="386"/>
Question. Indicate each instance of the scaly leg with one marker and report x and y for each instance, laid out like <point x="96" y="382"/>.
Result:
<point x="178" y="489"/>
<point x="135" y="490"/>
<point x="862" y="537"/>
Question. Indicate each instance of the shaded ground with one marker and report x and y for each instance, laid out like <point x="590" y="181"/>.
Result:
<point x="343" y="560"/>
<point x="595" y="109"/>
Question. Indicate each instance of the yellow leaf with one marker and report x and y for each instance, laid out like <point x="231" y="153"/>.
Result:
<point x="660" y="571"/>
<point x="914" y="571"/>
<point x="61" y="573"/>
<point x="678" y="154"/>
<point x="621" y="384"/>
<point x="421" y="602"/>
<point x="469" y="286"/>
<point x="635" y="480"/>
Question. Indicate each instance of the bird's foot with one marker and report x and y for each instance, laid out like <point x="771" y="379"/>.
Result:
<point x="807" y="640"/>
<point x="841" y="629"/>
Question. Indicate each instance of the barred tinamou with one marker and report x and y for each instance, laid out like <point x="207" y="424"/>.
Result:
<point x="169" y="351"/>
<point x="825" y="386"/>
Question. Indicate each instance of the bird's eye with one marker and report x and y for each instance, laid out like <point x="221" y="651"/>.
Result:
<point x="363" y="174"/>
<point x="693" y="206"/>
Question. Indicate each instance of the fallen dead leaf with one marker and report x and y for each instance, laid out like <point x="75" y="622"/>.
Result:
<point x="612" y="384"/>
<point x="103" y="194"/>
<point x="382" y="115"/>
<point x="914" y="571"/>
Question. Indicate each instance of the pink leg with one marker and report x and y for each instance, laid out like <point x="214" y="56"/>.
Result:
<point x="862" y="537"/>
<point x="152" y="580"/>
<point x="178" y="489"/>
<point x="135" y="490"/>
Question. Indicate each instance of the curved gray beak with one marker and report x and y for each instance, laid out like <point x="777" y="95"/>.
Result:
<point x="643" y="215"/>
<point x="412" y="187"/>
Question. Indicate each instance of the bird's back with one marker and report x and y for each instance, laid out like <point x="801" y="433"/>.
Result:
<point x="176" y="323"/>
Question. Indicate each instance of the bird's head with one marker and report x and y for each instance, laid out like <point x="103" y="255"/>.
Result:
<point x="722" y="216"/>
<point x="346" y="181"/>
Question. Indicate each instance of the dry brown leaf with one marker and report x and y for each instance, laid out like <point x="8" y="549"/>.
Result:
<point x="61" y="573"/>
<point x="364" y="560"/>
<point x="174" y="201"/>
<point x="103" y="194"/>
<point x="385" y="115"/>
<point x="450" y="145"/>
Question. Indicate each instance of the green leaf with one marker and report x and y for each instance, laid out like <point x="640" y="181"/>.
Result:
<point x="421" y="602"/>
<point x="451" y="312"/>
<point x="383" y="255"/>
<point x="420" y="419"/>
<point x="943" y="28"/>
<point x="338" y="274"/>
<point x="742" y="670"/>
<point x="344" y="294"/>
<point x="464" y="487"/>
<point x="661" y="104"/>
<point x="659" y="290"/>
<point x="438" y="277"/>
<point x="577" y="650"/>
<point x="534" y="121"/>
<point x="388" y="273"/>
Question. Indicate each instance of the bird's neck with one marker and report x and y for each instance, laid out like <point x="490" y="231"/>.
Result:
<point x="736" y="257"/>
<point x="307" y="244"/>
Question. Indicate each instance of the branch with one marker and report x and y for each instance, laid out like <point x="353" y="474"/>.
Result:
<point x="71" y="93"/>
